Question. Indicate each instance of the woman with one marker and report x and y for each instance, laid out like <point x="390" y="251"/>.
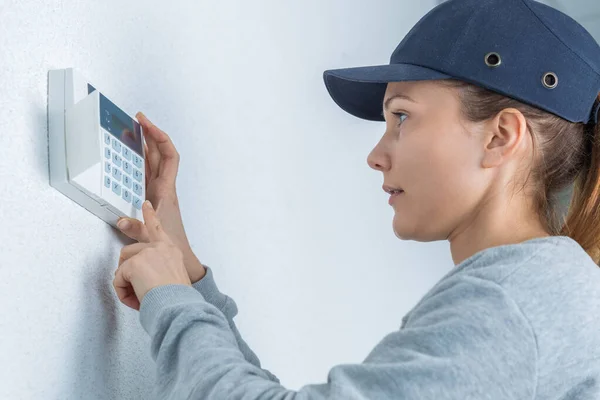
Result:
<point x="490" y="109"/>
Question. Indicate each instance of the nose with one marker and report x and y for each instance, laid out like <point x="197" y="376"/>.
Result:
<point x="378" y="159"/>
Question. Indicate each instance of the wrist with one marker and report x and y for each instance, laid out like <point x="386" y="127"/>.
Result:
<point x="195" y="269"/>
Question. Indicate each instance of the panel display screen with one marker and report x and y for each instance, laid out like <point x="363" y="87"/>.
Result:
<point x="120" y="125"/>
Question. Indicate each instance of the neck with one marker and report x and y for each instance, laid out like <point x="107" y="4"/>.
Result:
<point x="493" y="225"/>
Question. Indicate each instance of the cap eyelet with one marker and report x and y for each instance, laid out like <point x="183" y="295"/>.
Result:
<point x="493" y="59"/>
<point x="550" y="80"/>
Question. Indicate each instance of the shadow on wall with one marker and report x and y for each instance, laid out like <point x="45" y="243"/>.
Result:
<point x="38" y="114"/>
<point x="95" y="365"/>
<point x="99" y="371"/>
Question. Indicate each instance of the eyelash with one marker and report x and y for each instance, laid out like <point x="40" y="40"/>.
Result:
<point x="399" y="115"/>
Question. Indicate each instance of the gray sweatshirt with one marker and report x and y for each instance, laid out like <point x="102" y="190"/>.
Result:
<point x="518" y="321"/>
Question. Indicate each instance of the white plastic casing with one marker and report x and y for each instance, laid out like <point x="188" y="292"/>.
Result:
<point x="77" y="145"/>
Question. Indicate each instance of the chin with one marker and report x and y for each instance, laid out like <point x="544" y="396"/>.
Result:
<point x="404" y="234"/>
<point x="411" y="233"/>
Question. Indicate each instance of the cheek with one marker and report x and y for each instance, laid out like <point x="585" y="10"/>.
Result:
<point x="442" y="186"/>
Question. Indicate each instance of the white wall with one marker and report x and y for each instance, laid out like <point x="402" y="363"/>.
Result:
<point x="276" y="192"/>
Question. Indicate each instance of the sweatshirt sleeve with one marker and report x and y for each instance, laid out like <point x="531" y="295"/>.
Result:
<point x="211" y="293"/>
<point x="466" y="340"/>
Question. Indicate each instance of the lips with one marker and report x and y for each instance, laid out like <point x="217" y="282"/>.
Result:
<point x="394" y="196"/>
<point x="391" y="189"/>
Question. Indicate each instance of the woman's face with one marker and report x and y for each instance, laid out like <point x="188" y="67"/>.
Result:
<point x="431" y="152"/>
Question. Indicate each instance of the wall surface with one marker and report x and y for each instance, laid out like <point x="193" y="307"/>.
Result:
<point x="586" y="12"/>
<point x="276" y="193"/>
<point x="275" y="189"/>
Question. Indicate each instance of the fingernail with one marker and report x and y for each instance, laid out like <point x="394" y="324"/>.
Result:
<point x="147" y="203"/>
<point x="123" y="224"/>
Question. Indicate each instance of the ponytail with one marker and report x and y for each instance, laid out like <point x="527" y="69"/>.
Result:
<point x="583" y="218"/>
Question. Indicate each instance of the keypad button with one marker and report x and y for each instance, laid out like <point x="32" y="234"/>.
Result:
<point x="116" y="145"/>
<point x="116" y="188"/>
<point x="116" y="159"/>
<point x="137" y="202"/>
<point x="127" y="181"/>
<point x="137" y="175"/>
<point x="126" y="153"/>
<point x="116" y="174"/>
<point x="107" y="152"/>
<point x="137" y="188"/>
<point x="106" y="138"/>
<point x="107" y="181"/>
<point x="107" y="167"/>
<point x="127" y="167"/>
<point x="137" y="161"/>
<point x="127" y="195"/>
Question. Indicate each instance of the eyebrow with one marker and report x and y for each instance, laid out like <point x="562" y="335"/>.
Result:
<point x="401" y="96"/>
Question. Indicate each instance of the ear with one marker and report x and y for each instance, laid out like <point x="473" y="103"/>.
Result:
<point x="505" y="134"/>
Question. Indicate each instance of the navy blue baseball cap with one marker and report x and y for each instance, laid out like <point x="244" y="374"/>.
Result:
<point x="522" y="49"/>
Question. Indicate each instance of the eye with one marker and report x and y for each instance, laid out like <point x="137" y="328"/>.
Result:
<point x="401" y="116"/>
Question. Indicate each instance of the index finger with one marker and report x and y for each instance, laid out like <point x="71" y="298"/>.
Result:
<point x="129" y="251"/>
<point x="153" y="225"/>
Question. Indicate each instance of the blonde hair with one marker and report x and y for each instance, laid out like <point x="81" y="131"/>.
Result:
<point x="568" y="154"/>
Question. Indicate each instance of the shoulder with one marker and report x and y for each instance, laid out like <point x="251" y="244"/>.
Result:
<point x="555" y="274"/>
<point x="538" y="266"/>
<point x="538" y="301"/>
<point x="558" y="291"/>
<point x="518" y="274"/>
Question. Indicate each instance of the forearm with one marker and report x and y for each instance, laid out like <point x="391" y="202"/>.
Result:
<point x="203" y="281"/>
<point x="195" y="269"/>
<point x="197" y="355"/>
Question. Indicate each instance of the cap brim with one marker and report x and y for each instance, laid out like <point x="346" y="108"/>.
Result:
<point x="360" y="90"/>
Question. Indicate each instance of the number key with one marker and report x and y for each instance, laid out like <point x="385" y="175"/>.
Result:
<point x="126" y="153"/>
<point x="117" y="174"/>
<point x="137" y="161"/>
<point x="116" y="188"/>
<point x="137" y="188"/>
<point x="127" y="195"/>
<point x="116" y="159"/>
<point x="116" y="145"/>
<point x="127" y="181"/>
<point x="137" y="175"/>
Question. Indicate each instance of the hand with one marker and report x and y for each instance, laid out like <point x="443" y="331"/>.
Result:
<point x="144" y="266"/>
<point x="162" y="164"/>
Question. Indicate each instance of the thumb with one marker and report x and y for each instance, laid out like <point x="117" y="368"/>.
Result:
<point x="134" y="228"/>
